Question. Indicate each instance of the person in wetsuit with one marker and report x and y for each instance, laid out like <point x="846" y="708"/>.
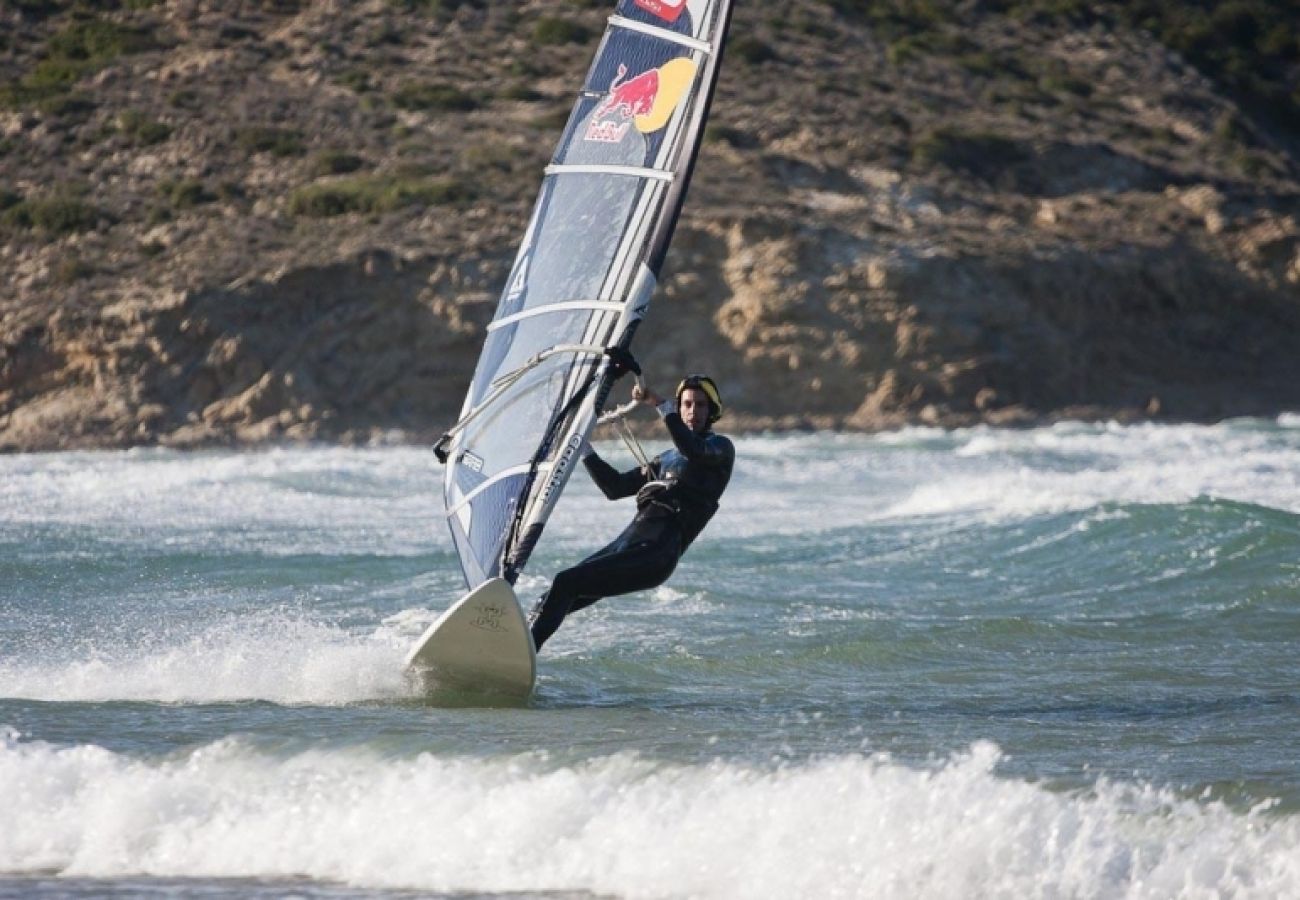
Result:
<point x="676" y="495"/>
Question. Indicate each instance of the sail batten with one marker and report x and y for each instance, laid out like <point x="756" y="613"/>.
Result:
<point x="582" y="278"/>
<point x="664" y="33"/>
<point x="596" y="169"/>
<point x="551" y="308"/>
<point x="521" y="469"/>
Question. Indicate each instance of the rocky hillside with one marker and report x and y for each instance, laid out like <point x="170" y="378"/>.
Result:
<point x="279" y="220"/>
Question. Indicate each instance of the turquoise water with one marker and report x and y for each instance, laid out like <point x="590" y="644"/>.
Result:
<point x="1058" y="662"/>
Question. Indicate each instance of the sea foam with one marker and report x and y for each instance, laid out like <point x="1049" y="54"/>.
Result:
<point x="275" y="655"/>
<point x="845" y="826"/>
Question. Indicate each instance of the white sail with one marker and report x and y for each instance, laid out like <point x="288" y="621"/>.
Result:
<point x="582" y="279"/>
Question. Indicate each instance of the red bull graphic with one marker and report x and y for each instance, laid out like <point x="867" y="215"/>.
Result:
<point x="646" y="101"/>
<point x="668" y="10"/>
<point x="630" y="98"/>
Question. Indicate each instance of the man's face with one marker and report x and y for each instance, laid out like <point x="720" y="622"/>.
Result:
<point x="694" y="408"/>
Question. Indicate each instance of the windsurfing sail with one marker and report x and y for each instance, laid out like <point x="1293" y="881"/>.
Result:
<point x="582" y="279"/>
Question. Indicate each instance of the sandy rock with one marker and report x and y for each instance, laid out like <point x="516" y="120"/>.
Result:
<point x="866" y="243"/>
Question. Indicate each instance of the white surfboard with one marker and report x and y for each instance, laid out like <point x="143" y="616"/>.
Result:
<point x="482" y="644"/>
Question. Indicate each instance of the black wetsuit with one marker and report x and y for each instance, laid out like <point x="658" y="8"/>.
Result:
<point x="675" y="500"/>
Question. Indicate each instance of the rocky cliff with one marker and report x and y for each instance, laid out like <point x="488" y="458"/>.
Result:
<point x="277" y="220"/>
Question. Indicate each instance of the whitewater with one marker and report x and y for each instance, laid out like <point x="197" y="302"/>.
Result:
<point x="1049" y="662"/>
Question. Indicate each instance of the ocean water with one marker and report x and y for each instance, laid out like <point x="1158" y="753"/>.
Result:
<point x="1059" y="662"/>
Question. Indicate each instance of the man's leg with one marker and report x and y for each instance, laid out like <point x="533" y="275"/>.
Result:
<point x="608" y="573"/>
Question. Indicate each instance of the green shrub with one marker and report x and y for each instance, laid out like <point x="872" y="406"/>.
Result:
<point x="355" y="79"/>
<point x="1249" y="47"/>
<point x="336" y="162"/>
<point x="54" y="216"/>
<point x="384" y="33"/>
<point x="751" y="50"/>
<point x="376" y="194"/>
<point x="279" y="142"/>
<point x="46" y="82"/>
<point x="141" y="129"/>
<point x="36" y="9"/>
<point x="553" y="120"/>
<point x="1252" y="165"/>
<point x="527" y="67"/>
<point x="726" y="134"/>
<point x="522" y="91"/>
<point x="1065" y="83"/>
<point x="422" y="95"/>
<point x="71" y="269"/>
<point x="81" y="48"/>
<point x="282" y="7"/>
<point x="97" y="41"/>
<point x="234" y="34"/>
<point x="965" y="151"/>
<point x="481" y="157"/>
<point x="894" y="18"/>
<point x="73" y="106"/>
<point x="551" y="31"/>
<point x="904" y="50"/>
<point x="1228" y="129"/>
<point x="433" y="8"/>
<point x="185" y="193"/>
<point x="184" y="98"/>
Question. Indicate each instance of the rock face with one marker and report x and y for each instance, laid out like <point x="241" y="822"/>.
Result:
<point x="292" y="222"/>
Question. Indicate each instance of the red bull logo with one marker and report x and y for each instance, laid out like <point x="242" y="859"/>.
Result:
<point x="630" y="98"/>
<point x="646" y="101"/>
<point x="668" y="10"/>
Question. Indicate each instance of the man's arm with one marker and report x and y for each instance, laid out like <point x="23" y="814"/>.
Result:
<point x="614" y="484"/>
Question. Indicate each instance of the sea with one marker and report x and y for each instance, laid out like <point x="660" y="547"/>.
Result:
<point x="1056" y="662"/>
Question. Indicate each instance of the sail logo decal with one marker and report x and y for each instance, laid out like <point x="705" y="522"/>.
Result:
<point x="668" y="10"/>
<point x="520" y="281"/>
<point x="470" y="461"/>
<point x="646" y="101"/>
<point x="560" y="472"/>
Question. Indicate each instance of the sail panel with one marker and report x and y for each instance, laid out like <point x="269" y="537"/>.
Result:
<point x="579" y="225"/>
<point x="480" y="535"/>
<point x="519" y="417"/>
<point x="635" y="87"/>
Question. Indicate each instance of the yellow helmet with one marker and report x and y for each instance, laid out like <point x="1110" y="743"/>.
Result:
<point x="703" y="383"/>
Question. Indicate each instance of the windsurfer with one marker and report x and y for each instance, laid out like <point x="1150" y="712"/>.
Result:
<point x="676" y="495"/>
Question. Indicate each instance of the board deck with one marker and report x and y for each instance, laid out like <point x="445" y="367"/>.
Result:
<point x="482" y="644"/>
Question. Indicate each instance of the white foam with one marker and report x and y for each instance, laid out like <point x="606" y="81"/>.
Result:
<point x="387" y="501"/>
<point x="275" y="502"/>
<point x="1000" y="475"/>
<point x="277" y="656"/>
<point x="842" y="827"/>
<point x="813" y="483"/>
